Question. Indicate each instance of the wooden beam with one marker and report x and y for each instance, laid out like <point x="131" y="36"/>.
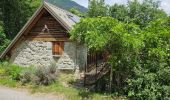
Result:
<point x="50" y="39"/>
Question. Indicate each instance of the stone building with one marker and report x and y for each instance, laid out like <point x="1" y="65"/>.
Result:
<point x="45" y="40"/>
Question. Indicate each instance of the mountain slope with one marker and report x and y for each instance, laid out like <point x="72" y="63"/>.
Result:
<point x="67" y="4"/>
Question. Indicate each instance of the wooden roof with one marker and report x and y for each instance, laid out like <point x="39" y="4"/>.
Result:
<point x="65" y="18"/>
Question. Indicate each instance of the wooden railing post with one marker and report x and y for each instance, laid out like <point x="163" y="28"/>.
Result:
<point x="111" y="79"/>
<point x="85" y="70"/>
<point x="96" y="70"/>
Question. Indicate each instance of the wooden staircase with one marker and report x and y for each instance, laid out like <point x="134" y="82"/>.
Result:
<point x="96" y="72"/>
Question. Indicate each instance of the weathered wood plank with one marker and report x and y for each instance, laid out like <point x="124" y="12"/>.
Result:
<point x="50" y="39"/>
<point x="55" y="32"/>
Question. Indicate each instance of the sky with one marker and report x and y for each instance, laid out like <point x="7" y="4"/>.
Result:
<point x="165" y="4"/>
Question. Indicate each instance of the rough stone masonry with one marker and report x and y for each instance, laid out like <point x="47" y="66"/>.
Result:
<point x="39" y="53"/>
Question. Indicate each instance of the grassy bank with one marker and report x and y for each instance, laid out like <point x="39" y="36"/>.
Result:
<point x="60" y="86"/>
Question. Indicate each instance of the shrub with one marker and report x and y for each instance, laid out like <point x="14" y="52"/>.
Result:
<point x="14" y="71"/>
<point x="27" y="75"/>
<point x="45" y="75"/>
<point x="11" y="70"/>
<point x="52" y="69"/>
<point x="85" y="94"/>
<point x="39" y="76"/>
<point x="2" y="71"/>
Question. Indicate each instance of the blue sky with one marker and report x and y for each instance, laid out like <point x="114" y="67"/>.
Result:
<point x="165" y="4"/>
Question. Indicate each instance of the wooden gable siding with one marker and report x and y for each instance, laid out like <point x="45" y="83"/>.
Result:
<point x="55" y="32"/>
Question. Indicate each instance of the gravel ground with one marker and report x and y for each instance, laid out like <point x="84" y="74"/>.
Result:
<point x="20" y="94"/>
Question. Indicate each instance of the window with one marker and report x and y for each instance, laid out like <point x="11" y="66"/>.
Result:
<point x="57" y="48"/>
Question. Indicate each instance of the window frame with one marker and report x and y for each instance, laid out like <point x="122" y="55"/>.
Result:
<point x="57" y="48"/>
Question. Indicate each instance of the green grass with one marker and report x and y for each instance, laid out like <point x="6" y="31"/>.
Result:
<point x="7" y="81"/>
<point x="69" y="92"/>
<point x="61" y="87"/>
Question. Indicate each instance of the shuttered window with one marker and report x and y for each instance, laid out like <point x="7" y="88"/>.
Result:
<point x="57" y="48"/>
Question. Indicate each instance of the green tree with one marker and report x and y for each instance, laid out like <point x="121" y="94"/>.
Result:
<point x="76" y="12"/>
<point x="138" y="13"/>
<point x="97" y="8"/>
<point x="119" y="12"/>
<point x="122" y="42"/>
<point x="150" y="78"/>
<point x="3" y="41"/>
<point x="15" y="13"/>
<point x="139" y="58"/>
<point x="0" y="11"/>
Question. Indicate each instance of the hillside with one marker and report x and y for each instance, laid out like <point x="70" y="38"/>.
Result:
<point x="67" y="4"/>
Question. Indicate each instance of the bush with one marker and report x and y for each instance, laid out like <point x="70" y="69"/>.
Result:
<point x="39" y="76"/>
<point x="2" y="71"/>
<point x="45" y="75"/>
<point x="27" y="75"/>
<point x="85" y="94"/>
<point x="13" y="71"/>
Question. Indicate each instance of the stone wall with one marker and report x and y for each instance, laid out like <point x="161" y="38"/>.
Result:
<point x="35" y="53"/>
<point x="39" y="53"/>
<point x="68" y="59"/>
<point x="81" y="56"/>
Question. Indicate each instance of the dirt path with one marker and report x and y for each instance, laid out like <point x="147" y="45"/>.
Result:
<point x="20" y="94"/>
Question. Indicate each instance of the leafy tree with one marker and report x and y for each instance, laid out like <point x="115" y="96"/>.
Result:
<point x="76" y="12"/>
<point x="119" y="12"/>
<point x="0" y="11"/>
<point x="139" y="58"/>
<point x="138" y="13"/>
<point x="122" y="42"/>
<point x="15" y="13"/>
<point x="97" y="8"/>
<point x="150" y="78"/>
<point x="3" y="41"/>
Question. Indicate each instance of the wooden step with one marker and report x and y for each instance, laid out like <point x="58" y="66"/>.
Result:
<point x="92" y="77"/>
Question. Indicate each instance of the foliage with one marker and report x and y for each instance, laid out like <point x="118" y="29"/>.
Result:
<point x="15" y="13"/>
<point x="151" y="77"/>
<point x="140" y="58"/>
<point x="119" y="12"/>
<point x="76" y="12"/>
<point x="122" y="41"/>
<point x="57" y="87"/>
<point x="85" y="94"/>
<point x="11" y="70"/>
<point x="2" y="72"/>
<point x="14" y="71"/>
<point x="3" y="41"/>
<point x="99" y="32"/>
<point x="39" y="76"/>
<point x="7" y="81"/>
<point x="45" y="75"/>
<point x="70" y="92"/>
<point x="97" y="8"/>
<point x="26" y="76"/>
<point x="138" y="13"/>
